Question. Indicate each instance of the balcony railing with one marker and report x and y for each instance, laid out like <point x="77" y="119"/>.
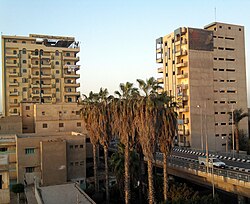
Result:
<point x="13" y="74"/>
<point x="181" y="76"/>
<point x="11" y="64"/>
<point x="160" y="70"/>
<point x="181" y="64"/>
<point x="35" y="86"/>
<point x="46" y="85"/>
<point x="67" y="75"/>
<point x="71" y="58"/>
<point x="184" y="109"/>
<point x="72" y="93"/>
<point x="14" y="93"/>
<point x="47" y="95"/>
<point x="72" y="85"/>
<point x="35" y="94"/>
<point x="159" y="60"/>
<point x="12" y="104"/>
<point x="72" y="67"/>
<point x="13" y="83"/>
<point x="160" y="80"/>
<point x="11" y="55"/>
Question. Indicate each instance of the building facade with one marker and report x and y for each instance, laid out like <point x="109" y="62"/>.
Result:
<point x="204" y="70"/>
<point x="40" y="69"/>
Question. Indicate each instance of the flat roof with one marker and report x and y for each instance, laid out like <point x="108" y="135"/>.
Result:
<point x="214" y="23"/>
<point x="50" y="134"/>
<point x="65" y="193"/>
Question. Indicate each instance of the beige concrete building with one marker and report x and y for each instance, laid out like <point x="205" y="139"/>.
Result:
<point x="40" y="69"/>
<point x="10" y="125"/>
<point x="204" y="69"/>
<point x="51" y="158"/>
<point x="4" y="180"/>
<point x="50" y="118"/>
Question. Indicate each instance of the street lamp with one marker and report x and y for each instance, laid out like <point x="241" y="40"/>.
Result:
<point x="198" y="106"/>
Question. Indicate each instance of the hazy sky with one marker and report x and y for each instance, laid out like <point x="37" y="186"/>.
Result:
<point x="117" y="37"/>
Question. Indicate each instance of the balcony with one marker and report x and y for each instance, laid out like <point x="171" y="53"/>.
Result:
<point x="181" y="64"/>
<point x="13" y="83"/>
<point x="12" y="104"/>
<point x="160" y="70"/>
<point x="35" y="86"/>
<point x="34" y="66"/>
<point x="181" y="53"/>
<point x="184" y="109"/>
<point x="47" y="56"/>
<point x="76" y="85"/>
<point x="46" y="76"/>
<point x="47" y="95"/>
<point x="72" y="93"/>
<point x="11" y="55"/>
<point x="73" y="58"/>
<point x="11" y="64"/>
<point x="182" y="76"/>
<point x="46" y="65"/>
<point x="46" y="85"/>
<point x="14" y="74"/>
<point x="160" y="80"/>
<point x="72" y="75"/>
<point x="159" y="50"/>
<point x="72" y="67"/>
<point x="35" y="76"/>
<point x="159" y="60"/>
<point x="14" y="93"/>
<point x="35" y="94"/>
<point x="34" y="56"/>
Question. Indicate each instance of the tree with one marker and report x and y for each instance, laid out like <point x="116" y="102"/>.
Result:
<point x="238" y="115"/>
<point x="117" y="164"/>
<point x="18" y="188"/>
<point x="123" y="126"/>
<point x="90" y="115"/>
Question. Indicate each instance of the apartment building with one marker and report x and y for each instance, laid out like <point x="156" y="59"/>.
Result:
<point x="204" y="70"/>
<point x="39" y="69"/>
<point x="4" y="180"/>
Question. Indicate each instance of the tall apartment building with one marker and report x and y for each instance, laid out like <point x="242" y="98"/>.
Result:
<point x="204" y="70"/>
<point x="40" y="69"/>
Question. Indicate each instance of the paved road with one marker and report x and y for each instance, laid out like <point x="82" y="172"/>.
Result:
<point x="244" y="165"/>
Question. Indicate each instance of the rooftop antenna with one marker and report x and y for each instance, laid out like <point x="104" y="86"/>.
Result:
<point x="215" y="14"/>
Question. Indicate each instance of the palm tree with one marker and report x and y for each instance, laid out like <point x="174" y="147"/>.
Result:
<point x="123" y="126"/>
<point x="90" y="115"/>
<point x="238" y="115"/>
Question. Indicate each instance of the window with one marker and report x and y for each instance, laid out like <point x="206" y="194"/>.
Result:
<point x="14" y="41"/>
<point x="78" y="112"/>
<point x="14" y="52"/>
<point x="57" y="53"/>
<point x="36" y="62"/>
<point x="43" y="112"/>
<point x="29" y="150"/>
<point x="239" y="29"/>
<point x="221" y="70"/>
<point x="220" y="26"/>
<point x="71" y="146"/>
<point x="27" y="107"/>
<point x="78" y="124"/>
<point x="29" y="169"/>
<point x="69" y="99"/>
<point x="24" y="70"/>
<point x="24" y="61"/>
<point x="81" y="146"/>
<point x="57" y="80"/>
<point x="223" y="123"/>
<point x="230" y="59"/>
<point x="45" y="125"/>
<point x="229" y="28"/>
<point x="229" y="49"/>
<point x="36" y="52"/>
<point x="88" y="140"/>
<point x="227" y="38"/>
<point x="215" y="113"/>
<point x="216" y="124"/>
<point x="57" y="89"/>
<point x="68" y="63"/>
<point x="76" y="163"/>
<point x="57" y="72"/>
<point x="68" y="54"/>
<point x="61" y="124"/>
<point x="81" y="163"/>
<point x="14" y="61"/>
<point x="221" y="58"/>
<point x="230" y="70"/>
<point x="24" y="51"/>
<point x="57" y="63"/>
<point x="76" y="146"/>
<point x="71" y="164"/>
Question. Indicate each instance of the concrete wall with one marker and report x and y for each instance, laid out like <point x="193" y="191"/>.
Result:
<point x="11" y="125"/>
<point x="53" y="162"/>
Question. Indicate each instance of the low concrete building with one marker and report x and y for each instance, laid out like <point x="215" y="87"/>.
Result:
<point x="51" y="158"/>
<point x="4" y="180"/>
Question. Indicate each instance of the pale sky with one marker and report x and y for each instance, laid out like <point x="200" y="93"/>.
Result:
<point x="117" y="37"/>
